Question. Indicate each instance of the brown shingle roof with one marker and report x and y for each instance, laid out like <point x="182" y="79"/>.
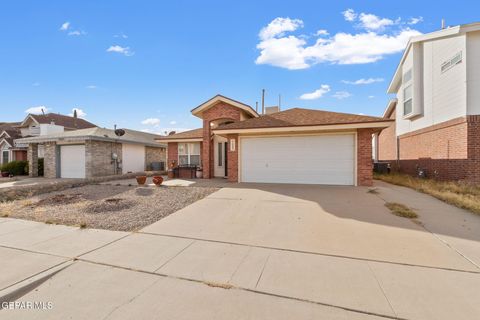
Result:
<point x="300" y="117"/>
<point x="62" y="120"/>
<point x="190" y="134"/>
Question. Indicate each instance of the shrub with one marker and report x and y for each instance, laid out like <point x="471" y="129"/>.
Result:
<point x="16" y="168"/>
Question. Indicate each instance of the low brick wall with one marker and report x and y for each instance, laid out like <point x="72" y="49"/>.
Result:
<point x="21" y="192"/>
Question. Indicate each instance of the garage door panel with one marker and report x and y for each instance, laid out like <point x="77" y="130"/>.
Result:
<point x="72" y="161"/>
<point x="133" y="158"/>
<point x="325" y="159"/>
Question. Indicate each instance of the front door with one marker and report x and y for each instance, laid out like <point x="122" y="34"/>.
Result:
<point x="220" y="161"/>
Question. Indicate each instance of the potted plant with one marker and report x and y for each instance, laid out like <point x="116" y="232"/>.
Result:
<point x="157" y="180"/>
<point x="170" y="169"/>
<point x="141" y="180"/>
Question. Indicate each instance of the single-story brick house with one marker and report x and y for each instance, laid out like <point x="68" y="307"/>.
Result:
<point x="291" y="146"/>
<point x="94" y="152"/>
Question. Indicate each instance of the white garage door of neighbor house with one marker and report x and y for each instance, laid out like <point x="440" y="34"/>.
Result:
<point x="133" y="158"/>
<point x="72" y="161"/>
<point x="322" y="159"/>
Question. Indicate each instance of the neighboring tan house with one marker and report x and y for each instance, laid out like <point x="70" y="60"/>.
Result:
<point x="94" y="152"/>
<point x="8" y="151"/>
<point x="437" y="106"/>
<point x="291" y="146"/>
<point x="43" y="124"/>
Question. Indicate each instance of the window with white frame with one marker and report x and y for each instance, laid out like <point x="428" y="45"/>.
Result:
<point x="5" y="156"/>
<point x="407" y="93"/>
<point x="189" y="154"/>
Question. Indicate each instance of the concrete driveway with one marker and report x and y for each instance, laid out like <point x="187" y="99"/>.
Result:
<point x="257" y="252"/>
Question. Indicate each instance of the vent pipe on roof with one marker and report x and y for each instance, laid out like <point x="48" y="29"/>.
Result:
<point x="263" y="101"/>
<point x="443" y="24"/>
<point x="279" y="101"/>
<point x="43" y="111"/>
<point x="256" y="106"/>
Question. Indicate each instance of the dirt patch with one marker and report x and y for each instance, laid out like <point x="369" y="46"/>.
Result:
<point x="110" y="205"/>
<point x="58" y="200"/>
<point x="122" y="208"/>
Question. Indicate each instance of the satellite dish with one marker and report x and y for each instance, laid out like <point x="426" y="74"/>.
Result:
<point x="119" y="132"/>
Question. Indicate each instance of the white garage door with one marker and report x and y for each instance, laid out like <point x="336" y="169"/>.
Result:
<point x="72" y="161"/>
<point x="323" y="159"/>
<point x="133" y="158"/>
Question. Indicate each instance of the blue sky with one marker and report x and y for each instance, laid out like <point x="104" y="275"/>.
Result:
<point x="128" y="62"/>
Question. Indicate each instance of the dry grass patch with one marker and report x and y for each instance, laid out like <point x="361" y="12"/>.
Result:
<point x="459" y="194"/>
<point x="401" y="210"/>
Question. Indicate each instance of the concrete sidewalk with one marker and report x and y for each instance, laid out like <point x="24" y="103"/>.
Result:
<point x="254" y="252"/>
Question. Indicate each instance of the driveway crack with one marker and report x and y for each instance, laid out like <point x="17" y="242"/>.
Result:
<point x="263" y="269"/>
<point x="381" y="288"/>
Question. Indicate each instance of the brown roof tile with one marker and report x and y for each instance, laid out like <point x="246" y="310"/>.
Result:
<point x="62" y="120"/>
<point x="300" y="117"/>
<point x="190" y="134"/>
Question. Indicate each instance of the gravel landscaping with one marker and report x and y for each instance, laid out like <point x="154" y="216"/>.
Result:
<point x="112" y="207"/>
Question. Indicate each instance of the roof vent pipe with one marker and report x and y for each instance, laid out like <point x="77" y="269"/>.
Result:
<point x="263" y="101"/>
<point x="443" y="24"/>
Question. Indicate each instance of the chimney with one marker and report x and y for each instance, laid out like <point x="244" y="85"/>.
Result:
<point x="273" y="109"/>
<point x="443" y="24"/>
<point x="263" y="101"/>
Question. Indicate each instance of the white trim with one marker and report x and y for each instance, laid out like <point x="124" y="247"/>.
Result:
<point x="26" y="118"/>
<point x="391" y="104"/>
<point x="380" y="124"/>
<point x="188" y="154"/>
<point x="206" y="105"/>
<point x="4" y="140"/>
<point x="10" y="155"/>
<point x="354" y="133"/>
<point x="180" y="140"/>
<point x="1" y="134"/>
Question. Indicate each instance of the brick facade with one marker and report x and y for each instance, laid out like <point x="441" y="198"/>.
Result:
<point x="219" y="111"/>
<point x="232" y="158"/>
<point x="387" y="142"/>
<point x="364" y="157"/>
<point x="50" y="160"/>
<point x="154" y="154"/>
<point x="98" y="158"/>
<point x="447" y="151"/>
<point x="32" y="158"/>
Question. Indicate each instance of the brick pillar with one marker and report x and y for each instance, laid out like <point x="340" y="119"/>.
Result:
<point x="50" y="160"/>
<point x="32" y="158"/>
<point x="172" y="154"/>
<point x="364" y="157"/>
<point x="232" y="158"/>
<point x="206" y="150"/>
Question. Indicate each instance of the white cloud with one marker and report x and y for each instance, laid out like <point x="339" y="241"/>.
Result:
<point x="151" y="122"/>
<point x="416" y="20"/>
<point x="292" y="52"/>
<point x="119" y="49"/>
<point x="372" y="22"/>
<point x="173" y="122"/>
<point x="165" y="131"/>
<point x="363" y="81"/>
<point x="279" y="26"/>
<point x="77" y="33"/>
<point x="80" y="113"/>
<point x="65" y="26"/>
<point x="349" y="15"/>
<point x="324" y="88"/>
<point x="121" y="35"/>
<point x="91" y="86"/>
<point x="342" y="95"/>
<point x="371" y="97"/>
<point x="37" y="110"/>
<point x="322" y="32"/>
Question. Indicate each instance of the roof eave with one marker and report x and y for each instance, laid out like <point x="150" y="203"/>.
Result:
<point x="180" y="140"/>
<point x="86" y="137"/>
<point x="341" y="126"/>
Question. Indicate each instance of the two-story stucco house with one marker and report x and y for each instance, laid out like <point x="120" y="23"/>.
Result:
<point x="437" y="106"/>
